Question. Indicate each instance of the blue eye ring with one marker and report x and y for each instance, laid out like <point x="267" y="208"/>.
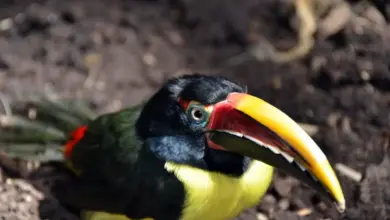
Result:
<point x="198" y="114"/>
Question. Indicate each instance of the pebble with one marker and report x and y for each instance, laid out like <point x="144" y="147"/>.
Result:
<point x="6" y="24"/>
<point x="284" y="204"/>
<point x="149" y="59"/>
<point x="365" y="75"/>
<point x="304" y="212"/>
<point x="261" y="216"/>
<point x="322" y="206"/>
<point x="337" y="19"/>
<point x="373" y="15"/>
<point x="268" y="203"/>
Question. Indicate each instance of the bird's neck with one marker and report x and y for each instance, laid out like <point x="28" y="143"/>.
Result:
<point x="226" y="162"/>
<point x="189" y="150"/>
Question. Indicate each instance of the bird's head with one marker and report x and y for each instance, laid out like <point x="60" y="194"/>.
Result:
<point x="212" y="123"/>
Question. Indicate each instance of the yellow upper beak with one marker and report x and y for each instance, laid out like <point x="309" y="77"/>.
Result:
<point x="294" y="141"/>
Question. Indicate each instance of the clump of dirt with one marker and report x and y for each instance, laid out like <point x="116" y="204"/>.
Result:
<point x="119" y="52"/>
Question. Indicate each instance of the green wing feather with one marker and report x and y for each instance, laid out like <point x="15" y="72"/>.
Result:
<point x="109" y="145"/>
<point x="42" y="137"/>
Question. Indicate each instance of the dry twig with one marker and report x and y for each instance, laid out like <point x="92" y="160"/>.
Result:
<point x="308" y="15"/>
<point x="349" y="172"/>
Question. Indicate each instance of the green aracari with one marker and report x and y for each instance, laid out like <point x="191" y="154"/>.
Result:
<point x="201" y="148"/>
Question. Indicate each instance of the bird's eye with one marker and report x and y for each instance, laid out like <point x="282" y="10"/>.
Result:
<point x="197" y="113"/>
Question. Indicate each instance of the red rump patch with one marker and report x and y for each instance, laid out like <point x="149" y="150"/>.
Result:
<point x="74" y="139"/>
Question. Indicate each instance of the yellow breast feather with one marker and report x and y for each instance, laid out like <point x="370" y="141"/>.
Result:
<point x="215" y="196"/>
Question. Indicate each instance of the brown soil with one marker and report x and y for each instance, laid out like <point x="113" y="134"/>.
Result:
<point x="116" y="53"/>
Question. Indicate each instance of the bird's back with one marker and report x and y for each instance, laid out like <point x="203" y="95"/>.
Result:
<point x="109" y="145"/>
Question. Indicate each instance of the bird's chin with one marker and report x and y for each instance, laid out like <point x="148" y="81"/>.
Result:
<point x="226" y="162"/>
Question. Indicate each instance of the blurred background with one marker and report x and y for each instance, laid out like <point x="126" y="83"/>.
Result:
<point x="326" y="63"/>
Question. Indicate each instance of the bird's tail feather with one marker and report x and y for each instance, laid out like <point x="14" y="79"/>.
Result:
<point x="38" y="127"/>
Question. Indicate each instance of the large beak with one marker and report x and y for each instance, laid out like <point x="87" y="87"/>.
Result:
<point x="249" y="126"/>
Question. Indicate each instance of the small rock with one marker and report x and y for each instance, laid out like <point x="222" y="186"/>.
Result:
<point x="322" y="206"/>
<point x="6" y="24"/>
<point x="346" y="125"/>
<point x="284" y="204"/>
<point x="335" y="21"/>
<point x="365" y="75"/>
<point x="373" y="15"/>
<point x="8" y="181"/>
<point x="268" y="203"/>
<point x="175" y="37"/>
<point x="277" y="82"/>
<point x="317" y="63"/>
<point x="333" y="118"/>
<point x="149" y="59"/>
<point x="304" y="212"/>
<point x="92" y="59"/>
<point x="261" y="216"/>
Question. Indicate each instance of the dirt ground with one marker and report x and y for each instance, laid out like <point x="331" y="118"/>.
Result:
<point x="117" y="53"/>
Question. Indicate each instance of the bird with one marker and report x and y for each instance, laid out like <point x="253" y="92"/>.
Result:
<point x="201" y="147"/>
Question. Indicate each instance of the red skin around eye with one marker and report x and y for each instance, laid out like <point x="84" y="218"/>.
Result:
<point x="184" y="103"/>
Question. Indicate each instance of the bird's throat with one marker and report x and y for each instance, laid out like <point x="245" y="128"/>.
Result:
<point x="226" y="162"/>
<point x="193" y="151"/>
